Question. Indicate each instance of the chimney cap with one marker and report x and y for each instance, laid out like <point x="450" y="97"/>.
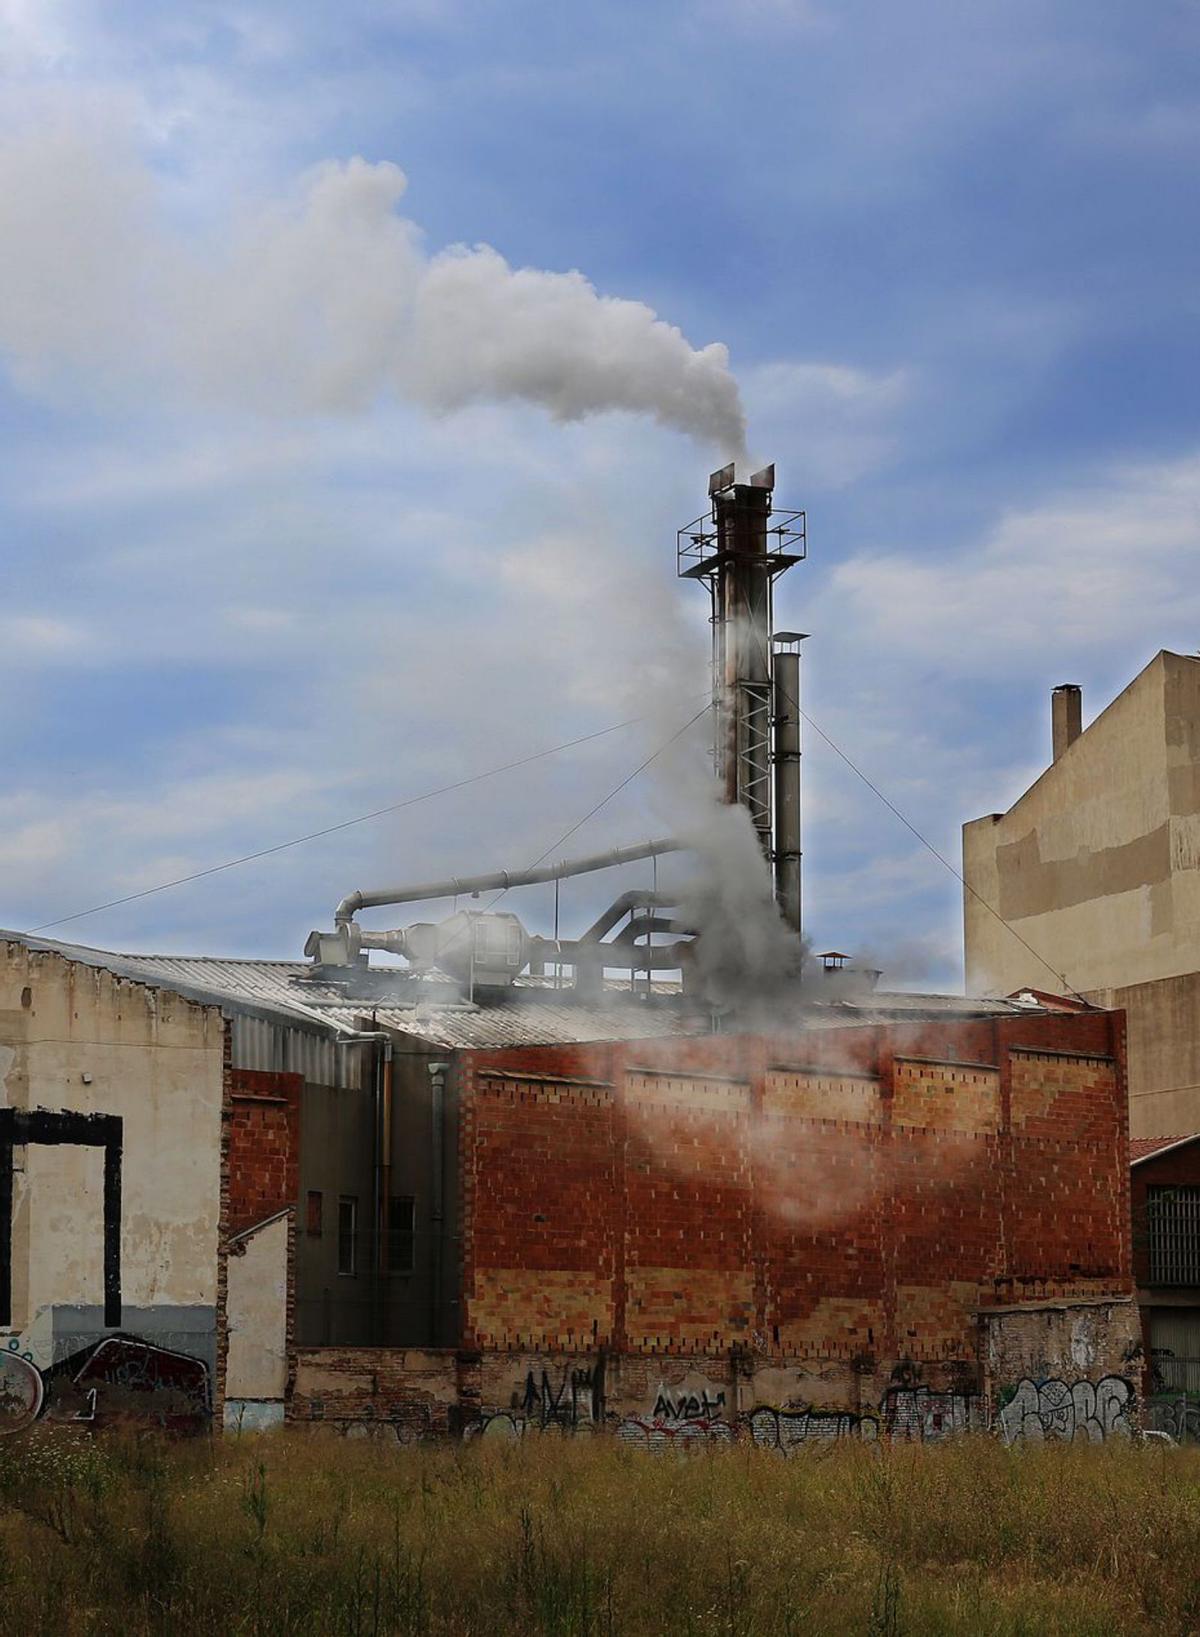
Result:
<point x="788" y="636"/>
<point x="1067" y="687"/>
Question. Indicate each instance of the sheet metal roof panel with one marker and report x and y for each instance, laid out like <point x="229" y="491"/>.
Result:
<point x="263" y="988"/>
<point x="542" y="1023"/>
<point x="530" y="1015"/>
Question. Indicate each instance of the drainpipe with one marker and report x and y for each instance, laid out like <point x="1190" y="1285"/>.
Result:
<point x="437" y="1198"/>
<point x="385" y="1165"/>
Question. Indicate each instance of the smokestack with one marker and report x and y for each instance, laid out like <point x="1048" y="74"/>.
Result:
<point x="1066" y="716"/>
<point x="741" y="513"/>
<point x="786" y="669"/>
<point x="737" y="550"/>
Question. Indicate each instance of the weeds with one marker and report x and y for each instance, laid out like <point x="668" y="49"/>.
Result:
<point x="296" y="1535"/>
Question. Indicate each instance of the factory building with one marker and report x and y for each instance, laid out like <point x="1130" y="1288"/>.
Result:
<point x="457" y="1176"/>
<point x="1096" y="868"/>
<point x="894" y="1206"/>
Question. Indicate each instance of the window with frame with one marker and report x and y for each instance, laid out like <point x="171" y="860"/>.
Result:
<point x="402" y="1234"/>
<point x="347" y="1262"/>
<point x="1173" y="1234"/>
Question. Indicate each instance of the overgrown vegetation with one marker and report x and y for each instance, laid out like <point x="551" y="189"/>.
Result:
<point x="291" y="1534"/>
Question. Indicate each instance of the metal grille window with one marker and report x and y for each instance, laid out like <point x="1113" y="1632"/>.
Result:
<point x="1173" y="1232"/>
<point x="348" y="1234"/>
<point x="402" y="1210"/>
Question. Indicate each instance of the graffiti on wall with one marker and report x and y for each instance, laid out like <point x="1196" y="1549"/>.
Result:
<point x="116" y="1380"/>
<point x="1056" y="1410"/>
<point x="919" y="1415"/>
<point x="563" y="1402"/>
<point x="403" y="1424"/>
<point x="563" y="1399"/>
<point x="1175" y="1414"/>
<point x="659" y="1433"/>
<point x="787" y="1429"/>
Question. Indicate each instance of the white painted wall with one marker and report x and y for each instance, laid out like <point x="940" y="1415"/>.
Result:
<point x="256" y="1367"/>
<point x="73" y="1037"/>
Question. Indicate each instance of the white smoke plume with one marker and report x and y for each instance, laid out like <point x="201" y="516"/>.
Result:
<point x="325" y="301"/>
<point x="746" y="958"/>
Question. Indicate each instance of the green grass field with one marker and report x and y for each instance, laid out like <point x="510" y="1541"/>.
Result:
<point x="300" y="1534"/>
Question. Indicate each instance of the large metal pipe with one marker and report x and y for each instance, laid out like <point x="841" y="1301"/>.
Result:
<point x="787" y="785"/>
<point x="454" y="886"/>
<point x="743" y="593"/>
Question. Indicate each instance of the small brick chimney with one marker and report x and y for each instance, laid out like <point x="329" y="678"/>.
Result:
<point x="1066" y="716"/>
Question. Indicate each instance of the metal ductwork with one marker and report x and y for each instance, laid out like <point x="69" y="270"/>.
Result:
<point x="488" y="950"/>
<point x="502" y="880"/>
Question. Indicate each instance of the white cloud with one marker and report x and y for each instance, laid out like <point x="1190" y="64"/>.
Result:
<point x="322" y="302"/>
<point x="45" y="638"/>
<point x="1106" y="566"/>
<point x="840" y="422"/>
<point x="34" y="35"/>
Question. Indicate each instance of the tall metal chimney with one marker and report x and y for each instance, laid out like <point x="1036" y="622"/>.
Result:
<point x="1066" y="716"/>
<point x="786" y="668"/>
<point x="737" y="549"/>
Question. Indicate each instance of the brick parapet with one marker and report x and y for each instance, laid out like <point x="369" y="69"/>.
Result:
<point x="264" y="1144"/>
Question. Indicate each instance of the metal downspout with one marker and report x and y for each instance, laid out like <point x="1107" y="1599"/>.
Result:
<point x="437" y="1197"/>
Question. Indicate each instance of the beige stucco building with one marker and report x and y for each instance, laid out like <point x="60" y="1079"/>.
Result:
<point x="1090" y="883"/>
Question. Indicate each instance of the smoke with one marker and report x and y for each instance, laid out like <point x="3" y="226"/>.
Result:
<point x="746" y="957"/>
<point x="323" y="301"/>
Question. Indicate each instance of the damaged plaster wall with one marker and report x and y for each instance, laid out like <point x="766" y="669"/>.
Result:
<point x="112" y="1101"/>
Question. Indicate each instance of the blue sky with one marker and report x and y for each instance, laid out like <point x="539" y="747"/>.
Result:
<point x="266" y="566"/>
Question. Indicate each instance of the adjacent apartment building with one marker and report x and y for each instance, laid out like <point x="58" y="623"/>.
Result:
<point x="1090" y="883"/>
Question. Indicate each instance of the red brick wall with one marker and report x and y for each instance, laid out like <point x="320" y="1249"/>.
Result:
<point x="691" y="1196"/>
<point x="264" y="1145"/>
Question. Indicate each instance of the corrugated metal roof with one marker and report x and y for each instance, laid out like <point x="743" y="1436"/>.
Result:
<point x="530" y="1014"/>
<point x="535" y="1021"/>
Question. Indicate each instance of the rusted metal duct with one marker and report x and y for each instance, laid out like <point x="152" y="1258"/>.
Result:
<point x="456" y="886"/>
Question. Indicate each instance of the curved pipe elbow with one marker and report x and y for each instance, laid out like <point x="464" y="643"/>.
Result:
<point x="348" y="908"/>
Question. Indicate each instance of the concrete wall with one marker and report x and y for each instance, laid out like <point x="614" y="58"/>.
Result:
<point x="1163" y="1034"/>
<point x="145" y="1068"/>
<point x="1095" y="865"/>
<point x="258" y="1361"/>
